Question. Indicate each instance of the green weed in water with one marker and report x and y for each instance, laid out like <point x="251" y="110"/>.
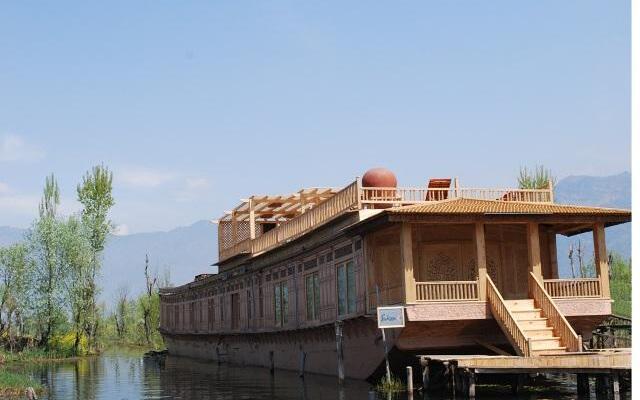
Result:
<point x="392" y="385"/>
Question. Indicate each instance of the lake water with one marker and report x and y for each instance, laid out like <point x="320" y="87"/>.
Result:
<point x="116" y="376"/>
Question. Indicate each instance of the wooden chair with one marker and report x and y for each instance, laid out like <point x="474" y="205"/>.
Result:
<point x="438" y="185"/>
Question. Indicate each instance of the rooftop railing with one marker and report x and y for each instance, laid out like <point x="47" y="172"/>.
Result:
<point x="355" y="197"/>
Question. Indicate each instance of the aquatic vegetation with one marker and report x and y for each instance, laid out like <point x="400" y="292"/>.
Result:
<point x="392" y="385"/>
<point x="15" y="384"/>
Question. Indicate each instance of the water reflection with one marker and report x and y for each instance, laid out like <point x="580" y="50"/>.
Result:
<point x="129" y="376"/>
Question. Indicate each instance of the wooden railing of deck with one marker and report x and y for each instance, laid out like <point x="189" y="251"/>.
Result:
<point x="566" y="288"/>
<point x="447" y="291"/>
<point x="561" y="326"/>
<point x="405" y="196"/>
<point x="342" y="201"/>
<point x="507" y="321"/>
<point x="240" y="247"/>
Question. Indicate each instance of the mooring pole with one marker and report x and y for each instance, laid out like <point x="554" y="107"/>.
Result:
<point x="425" y="374"/>
<point x="271" y="363"/>
<point x="339" y="352"/>
<point x="472" y="384"/>
<point x="410" y="379"/>
<point x="616" y="386"/>
<point x="386" y="355"/>
<point x="303" y="358"/>
<point x="582" y="381"/>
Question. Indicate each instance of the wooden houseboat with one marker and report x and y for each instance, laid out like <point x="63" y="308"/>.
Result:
<point x="474" y="269"/>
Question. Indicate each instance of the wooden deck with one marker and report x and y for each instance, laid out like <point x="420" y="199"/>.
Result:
<point x="584" y="362"/>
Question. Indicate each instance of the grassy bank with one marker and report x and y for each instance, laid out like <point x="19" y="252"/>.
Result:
<point x="13" y="384"/>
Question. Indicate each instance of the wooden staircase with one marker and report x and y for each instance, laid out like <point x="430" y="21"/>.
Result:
<point x="534" y="326"/>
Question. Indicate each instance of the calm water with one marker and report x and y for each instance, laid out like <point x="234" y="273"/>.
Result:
<point x="129" y="376"/>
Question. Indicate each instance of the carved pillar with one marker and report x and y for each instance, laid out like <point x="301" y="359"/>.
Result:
<point x="481" y="255"/>
<point x="533" y="245"/>
<point x="406" y="255"/>
<point x="601" y="258"/>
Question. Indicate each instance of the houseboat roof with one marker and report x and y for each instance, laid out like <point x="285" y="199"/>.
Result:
<point x="476" y="206"/>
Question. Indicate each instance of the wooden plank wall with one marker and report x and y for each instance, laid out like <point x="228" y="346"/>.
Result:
<point x="202" y="314"/>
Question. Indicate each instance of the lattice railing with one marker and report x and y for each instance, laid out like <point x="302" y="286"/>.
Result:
<point x="565" y="288"/>
<point x="404" y="196"/>
<point x="447" y="291"/>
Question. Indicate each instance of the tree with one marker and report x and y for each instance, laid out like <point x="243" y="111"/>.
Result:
<point x="76" y="256"/>
<point x="14" y="274"/>
<point x="121" y="315"/>
<point x="147" y="301"/>
<point x="44" y="243"/>
<point x="95" y="194"/>
<point x="538" y="178"/>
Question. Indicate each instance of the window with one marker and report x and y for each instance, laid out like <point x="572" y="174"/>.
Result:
<point x="346" y="288"/>
<point x="312" y="287"/>
<point x="221" y="308"/>
<point x="260" y="302"/>
<point x="281" y="303"/>
<point x="249" y="305"/>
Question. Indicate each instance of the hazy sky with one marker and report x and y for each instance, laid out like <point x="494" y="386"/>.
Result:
<point x="194" y="105"/>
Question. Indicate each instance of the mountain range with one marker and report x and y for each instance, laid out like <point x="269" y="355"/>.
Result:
<point x="190" y="250"/>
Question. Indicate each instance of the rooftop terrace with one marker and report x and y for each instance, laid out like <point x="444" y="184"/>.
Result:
<point x="262" y="223"/>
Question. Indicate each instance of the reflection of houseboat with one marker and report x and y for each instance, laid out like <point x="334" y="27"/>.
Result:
<point x="474" y="267"/>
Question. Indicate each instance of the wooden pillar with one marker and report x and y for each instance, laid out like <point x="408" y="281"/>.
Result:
<point x="616" y="386"/>
<point x="406" y="255"/>
<point x="583" y="386"/>
<point x="533" y="246"/>
<point x="252" y="220"/>
<point x="601" y="258"/>
<point x="425" y="375"/>
<point x="339" y="352"/>
<point x="272" y="364"/>
<point x="553" y="254"/>
<point x="481" y="255"/>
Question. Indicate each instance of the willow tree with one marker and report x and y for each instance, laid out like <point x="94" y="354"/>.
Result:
<point x="14" y="275"/>
<point x="76" y="256"/>
<point x="537" y="178"/>
<point x="44" y="242"/>
<point x="95" y="194"/>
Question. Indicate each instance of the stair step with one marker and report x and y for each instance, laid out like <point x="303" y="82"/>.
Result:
<point x="526" y="314"/>
<point x="533" y="323"/>
<point x="522" y="304"/>
<point x="545" y="332"/>
<point x="545" y="343"/>
<point x="550" y="351"/>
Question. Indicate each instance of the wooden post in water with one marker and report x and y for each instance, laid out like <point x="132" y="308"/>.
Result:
<point x="386" y="355"/>
<point x="303" y="359"/>
<point x="410" y="379"/>
<point x="583" y="385"/>
<point x="472" y="384"/>
<point x="339" y="352"/>
<point x="616" y="386"/>
<point x="603" y="385"/>
<point x="271" y="363"/>
<point x="425" y="376"/>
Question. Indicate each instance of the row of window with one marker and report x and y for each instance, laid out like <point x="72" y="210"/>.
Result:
<point x="346" y="298"/>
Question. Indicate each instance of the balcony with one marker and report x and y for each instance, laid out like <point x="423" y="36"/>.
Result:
<point x="294" y="215"/>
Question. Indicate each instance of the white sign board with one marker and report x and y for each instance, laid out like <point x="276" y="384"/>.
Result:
<point x="391" y="317"/>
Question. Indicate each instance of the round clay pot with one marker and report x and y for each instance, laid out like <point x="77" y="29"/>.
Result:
<point x="379" y="177"/>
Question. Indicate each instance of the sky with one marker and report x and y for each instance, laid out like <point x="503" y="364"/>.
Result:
<point x="194" y="105"/>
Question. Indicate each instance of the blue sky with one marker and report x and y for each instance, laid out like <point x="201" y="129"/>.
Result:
<point x="194" y="105"/>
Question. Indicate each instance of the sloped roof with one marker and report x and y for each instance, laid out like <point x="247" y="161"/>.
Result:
<point x="474" y="206"/>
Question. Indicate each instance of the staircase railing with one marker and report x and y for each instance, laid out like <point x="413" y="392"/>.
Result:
<point x="561" y="326"/>
<point x="506" y="320"/>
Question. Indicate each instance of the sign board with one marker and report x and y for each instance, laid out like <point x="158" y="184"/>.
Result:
<point x="391" y="317"/>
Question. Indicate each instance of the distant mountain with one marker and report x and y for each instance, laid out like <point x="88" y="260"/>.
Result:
<point x="606" y="191"/>
<point x="10" y="235"/>
<point x="184" y="252"/>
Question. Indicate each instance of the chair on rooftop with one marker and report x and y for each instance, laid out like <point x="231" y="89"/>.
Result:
<point x="438" y="189"/>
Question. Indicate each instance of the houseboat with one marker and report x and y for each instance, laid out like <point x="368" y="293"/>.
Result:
<point x="475" y="269"/>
